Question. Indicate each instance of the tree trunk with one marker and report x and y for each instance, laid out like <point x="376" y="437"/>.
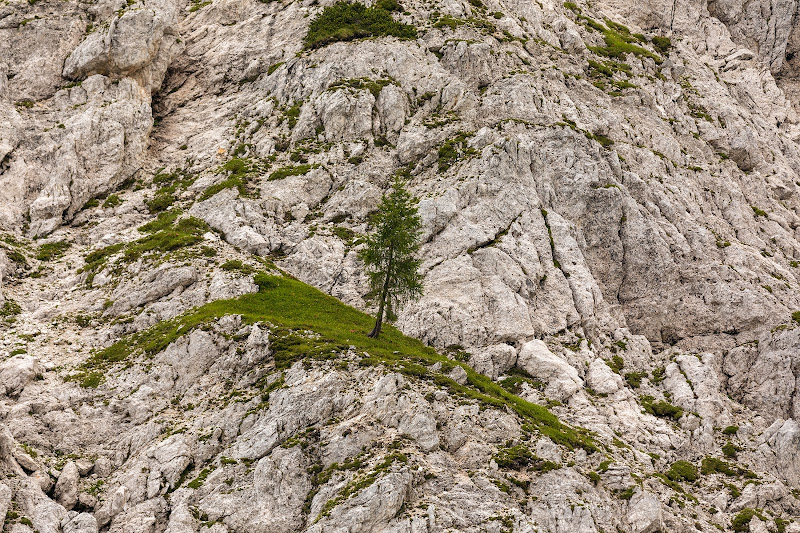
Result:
<point x="384" y="295"/>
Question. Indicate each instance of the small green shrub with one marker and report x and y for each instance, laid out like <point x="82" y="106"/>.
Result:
<point x="346" y="21"/>
<point x="520" y="456"/>
<point x="758" y="212"/>
<point x="731" y="430"/>
<point x="682" y="471"/>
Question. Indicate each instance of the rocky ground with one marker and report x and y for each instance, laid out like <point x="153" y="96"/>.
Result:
<point x="609" y="330"/>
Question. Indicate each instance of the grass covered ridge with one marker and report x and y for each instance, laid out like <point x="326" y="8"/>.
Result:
<point x="291" y="307"/>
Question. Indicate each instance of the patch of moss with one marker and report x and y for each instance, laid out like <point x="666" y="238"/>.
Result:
<point x="731" y="430"/>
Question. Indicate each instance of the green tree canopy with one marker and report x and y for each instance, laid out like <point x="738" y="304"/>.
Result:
<point x="390" y="253"/>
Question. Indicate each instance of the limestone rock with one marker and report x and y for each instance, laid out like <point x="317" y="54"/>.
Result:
<point x="66" y="491"/>
<point x="17" y="372"/>
<point x="538" y="361"/>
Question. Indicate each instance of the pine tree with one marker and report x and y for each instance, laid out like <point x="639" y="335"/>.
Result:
<point x="390" y="253"/>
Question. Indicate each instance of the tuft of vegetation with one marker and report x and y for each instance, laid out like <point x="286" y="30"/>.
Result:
<point x="9" y="311"/>
<point x="634" y="379"/>
<point x="113" y="200"/>
<point x="712" y="465"/>
<point x="454" y="149"/>
<point x="52" y="250"/>
<point x="168" y="183"/>
<point x="662" y="44"/>
<point x="346" y="21"/>
<point x="661" y="408"/>
<point x="741" y="522"/>
<point x="758" y="212"/>
<point x="166" y="235"/>
<point x="519" y="456"/>
<point x="373" y="86"/>
<point x="197" y="482"/>
<point x="516" y="377"/>
<point x="682" y="471"/>
<point x="618" y="39"/>
<point x="285" y="172"/>
<point x="240" y="173"/>
<point x="732" y="430"/>
<point x="236" y="265"/>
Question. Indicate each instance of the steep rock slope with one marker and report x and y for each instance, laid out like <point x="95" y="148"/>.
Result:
<point x="609" y="199"/>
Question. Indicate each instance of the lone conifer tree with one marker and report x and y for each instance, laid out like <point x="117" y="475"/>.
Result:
<point x="390" y="253"/>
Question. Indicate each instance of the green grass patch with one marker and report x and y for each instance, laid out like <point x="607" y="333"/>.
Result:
<point x="236" y="265"/>
<point x="373" y="86"/>
<point x="285" y="172"/>
<point x="741" y="522"/>
<point x="662" y="44"/>
<point x="9" y="311"/>
<point x="346" y="21"/>
<point x="618" y="41"/>
<point x="113" y="200"/>
<point x="52" y="250"/>
<point x="165" y="236"/>
<point x="454" y="149"/>
<point x="241" y="172"/>
<point x="293" y="308"/>
<point x="516" y="377"/>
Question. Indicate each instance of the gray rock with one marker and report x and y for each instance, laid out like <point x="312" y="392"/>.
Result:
<point x="66" y="491"/>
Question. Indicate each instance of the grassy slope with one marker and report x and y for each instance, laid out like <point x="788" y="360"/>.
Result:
<point x="293" y="307"/>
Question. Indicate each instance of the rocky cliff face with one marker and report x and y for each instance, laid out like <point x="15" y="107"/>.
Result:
<point x="610" y="200"/>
